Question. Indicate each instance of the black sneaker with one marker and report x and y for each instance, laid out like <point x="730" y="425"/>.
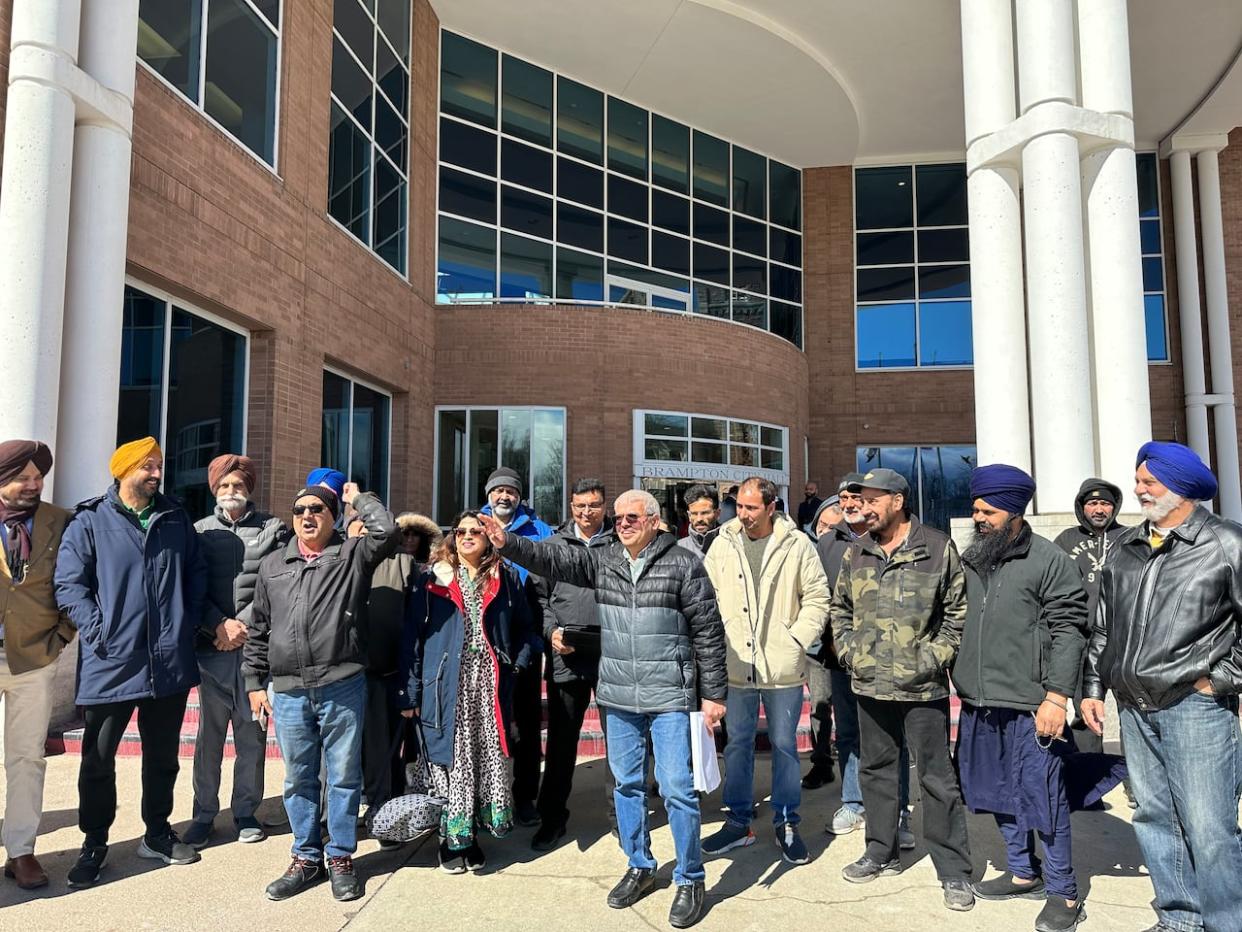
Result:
<point x="866" y="869"/>
<point x="636" y="884"/>
<point x="817" y="776"/>
<point x="1005" y="888"/>
<point x="526" y="813"/>
<point x="167" y="848"/>
<point x="687" y="905"/>
<point x="475" y="861"/>
<point x="300" y="875"/>
<point x="1056" y="916"/>
<point x="345" y="883"/>
<point x="958" y="895"/>
<point x="548" y="835"/>
<point x="452" y="862"/>
<point x="90" y="861"/>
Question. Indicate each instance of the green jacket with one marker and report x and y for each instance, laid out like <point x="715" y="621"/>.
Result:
<point x="897" y="621"/>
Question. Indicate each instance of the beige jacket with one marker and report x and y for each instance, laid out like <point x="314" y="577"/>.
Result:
<point x="769" y="624"/>
<point x="34" y="630"/>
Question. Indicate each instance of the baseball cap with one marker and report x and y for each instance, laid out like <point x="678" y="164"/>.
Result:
<point x="849" y="479"/>
<point x="887" y="480"/>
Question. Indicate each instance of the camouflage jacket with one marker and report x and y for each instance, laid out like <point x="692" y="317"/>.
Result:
<point x="897" y="621"/>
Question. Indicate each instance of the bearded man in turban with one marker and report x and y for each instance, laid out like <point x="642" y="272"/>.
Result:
<point x="1167" y="640"/>
<point x="234" y="539"/>
<point x="130" y="577"/>
<point x="1019" y="662"/>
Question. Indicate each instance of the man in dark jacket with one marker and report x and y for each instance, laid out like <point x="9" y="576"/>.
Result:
<point x="307" y="635"/>
<point x="702" y="511"/>
<point x="662" y="656"/>
<point x="131" y="578"/>
<point x="808" y="507"/>
<point x="1167" y="640"/>
<point x="897" y="616"/>
<point x="1020" y="659"/>
<point x="1088" y="544"/>
<point x="234" y="540"/>
<point x="571" y="631"/>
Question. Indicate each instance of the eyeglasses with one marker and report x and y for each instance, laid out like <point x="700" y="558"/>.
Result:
<point x="313" y="509"/>
<point x="621" y="520"/>
<point x="469" y="531"/>
<point x="587" y="506"/>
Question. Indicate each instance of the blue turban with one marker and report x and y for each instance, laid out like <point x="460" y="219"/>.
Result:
<point x="1179" y="469"/>
<point x="1005" y="487"/>
<point x="332" y="478"/>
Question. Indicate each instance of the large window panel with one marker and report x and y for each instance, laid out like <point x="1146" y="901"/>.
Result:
<point x="467" y="146"/>
<point x="525" y="267"/>
<point x="944" y="334"/>
<point x="142" y="366"/>
<point x="389" y="214"/>
<point x="941" y="195"/>
<point x="750" y="183"/>
<point x="451" y="441"/>
<point x="467" y="266"/>
<point x="351" y="85"/>
<point x="627" y="198"/>
<point x="527" y="106"/>
<point x="547" y="463"/>
<point x="883" y="198"/>
<point x="356" y="427"/>
<point x="351" y="22"/>
<point x="578" y="227"/>
<point x="711" y="169"/>
<point x="939" y="478"/>
<point x="467" y="79"/>
<point x="581" y="183"/>
<point x="526" y="165"/>
<point x="671" y="253"/>
<point x="334" y="429"/>
<point x="579" y="121"/>
<point x="579" y="276"/>
<point x="526" y="212"/>
<point x="670" y="154"/>
<point x="750" y="236"/>
<point x="484" y="454"/>
<point x="786" y="188"/>
<point x="750" y="310"/>
<point x="670" y="212"/>
<point x="785" y="320"/>
<point x="627" y="138"/>
<point x="627" y="241"/>
<point x="394" y="21"/>
<point x="886" y="336"/>
<point x="349" y="175"/>
<point x="1152" y="246"/>
<point x="467" y="195"/>
<point x="169" y="41"/>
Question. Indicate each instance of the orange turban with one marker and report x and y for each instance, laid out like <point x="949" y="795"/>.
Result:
<point x="129" y="456"/>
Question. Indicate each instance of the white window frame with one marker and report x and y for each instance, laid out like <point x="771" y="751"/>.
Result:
<point x="349" y="447"/>
<point x="646" y="468"/>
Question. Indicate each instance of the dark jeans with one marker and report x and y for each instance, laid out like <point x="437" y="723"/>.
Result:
<point x="159" y="724"/>
<point x="567" y="706"/>
<point x="926" y="728"/>
<point x="819" y="684"/>
<point x="528" y="720"/>
<point x="383" y="770"/>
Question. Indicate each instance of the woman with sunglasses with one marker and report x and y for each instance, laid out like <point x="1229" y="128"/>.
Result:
<point x="469" y="630"/>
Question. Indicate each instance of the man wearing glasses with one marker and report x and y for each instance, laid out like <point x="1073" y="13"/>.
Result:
<point x="304" y="634"/>
<point x="662" y="656"/>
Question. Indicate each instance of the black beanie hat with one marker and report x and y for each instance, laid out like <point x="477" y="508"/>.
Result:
<point x="324" y="494"/>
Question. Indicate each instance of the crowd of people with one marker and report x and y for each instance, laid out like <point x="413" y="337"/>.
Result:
<point x="368" y="641"/>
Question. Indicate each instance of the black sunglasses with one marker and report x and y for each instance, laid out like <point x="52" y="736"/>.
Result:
<point x="313" y="509"/>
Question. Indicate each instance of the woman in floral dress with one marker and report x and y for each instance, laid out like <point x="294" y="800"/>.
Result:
<point x="469" y="630"/>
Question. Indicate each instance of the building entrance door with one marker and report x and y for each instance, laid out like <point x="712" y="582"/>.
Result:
<point x="671" y="492"/>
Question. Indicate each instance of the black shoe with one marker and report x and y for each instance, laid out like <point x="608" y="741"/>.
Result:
<point x="90" y="861"/>
<point x="300" y="875"/>
<point x="636" y="884"/>
<point x="687" y="906"/>
<point x="548" y="835"/>
<point x="526" y="813"/>
<point x="867" y="868"/>
<point x="345" y="883"/>
<point x="389" y="845"/>
<point x="475" y="861"/>
<point x="1004" y="888"/>
<point x="1057" y="917"/>
<point x="817" y="776"/>
<point x="167" y="848"/>
<point x="958" y="895"/>
<point x="452" y="862"/>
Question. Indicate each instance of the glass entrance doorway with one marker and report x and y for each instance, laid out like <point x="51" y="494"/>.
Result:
<point x="671" y="494"/>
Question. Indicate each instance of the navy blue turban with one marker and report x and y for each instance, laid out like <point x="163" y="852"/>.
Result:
<point x="1005" y="487"/>
<point x="1179" y="469"/>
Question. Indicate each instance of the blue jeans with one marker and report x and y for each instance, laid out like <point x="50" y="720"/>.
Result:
<point x="783" y="707"/>
<point x="1185" y="767"/>
<point x="322" y="723"/>
<point x="627" y="758"/>
<point x="845" y="713"/>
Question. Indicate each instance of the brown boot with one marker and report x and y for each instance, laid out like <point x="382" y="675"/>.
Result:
<point x="27" y="871"/>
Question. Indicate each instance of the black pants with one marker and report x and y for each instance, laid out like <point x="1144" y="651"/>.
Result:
<point x="567" y="706"/>
<point x="159" y="724"/>
<point x="925" y="725"/>
<point x="528" y="720"/>
<point x="383" y="769"/>
<point x="819" y="683"/>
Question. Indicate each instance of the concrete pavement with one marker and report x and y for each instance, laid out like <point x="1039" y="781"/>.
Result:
<point x="565" y="889"/>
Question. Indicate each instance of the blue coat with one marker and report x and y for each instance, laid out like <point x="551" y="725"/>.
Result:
<point x="135" y="597"/>
<point x="432" y="646"/>
<point x="524" y="524"/>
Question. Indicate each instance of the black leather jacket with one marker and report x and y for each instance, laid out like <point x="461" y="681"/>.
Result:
<point x="1169" y="616"/>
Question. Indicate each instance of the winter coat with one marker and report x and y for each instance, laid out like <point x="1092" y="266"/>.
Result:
<point x="808" y="508"/>
<point x="136" y="598"/>
<point x="565" y="606"/>
<point x="307" y="627"/>
<point x="1169" y="616"/>
<point x="699" y="545"/>
<point x="524" y="524"/>
<point x="662" y="643"/>
<point x="35" y="631"/>
<point x="1026" y="627"/>
<point x="1089" y="547"/>
<point x="770" y="621"/>
<point x="831" y="548"/>
<point x="897" y="620"/>
<point x="233" y="552"/>
<point x="431" y="651"/>
<point x="386" y="612"/>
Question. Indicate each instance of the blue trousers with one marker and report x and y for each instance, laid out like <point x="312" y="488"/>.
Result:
<point x="783" y="708"/>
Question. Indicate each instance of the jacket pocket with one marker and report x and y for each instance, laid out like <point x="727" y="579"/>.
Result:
<point x="433" y="697"/>
<point x="919" y="668"/>
<point x="1040" y="654"/>
<point x="863" y="659"/>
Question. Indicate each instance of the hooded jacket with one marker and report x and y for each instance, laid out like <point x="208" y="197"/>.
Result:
<point x="386" y="606"/>
<point x="699" y="544"/>
<point x="831" y="548"/>
<point x="233" y="551"/>
<point x="1087" y="546"/>
<point x="524" y="524"/>
<point x="769" y="622"/>
<point x="567" y="606"/>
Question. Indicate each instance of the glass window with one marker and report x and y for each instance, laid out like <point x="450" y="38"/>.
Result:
<point x="750" y="183"/>
<point x="525" y="212"/>
<point x="785" y="320"/>
<point x="356" y="423"/>
<point x="711" y="169"/>
<point x="1151" y="243"/>
<point x="627" y="198"/>
<point x="666" y="425"/>
<point x="749" y="310"/>
<point x="671" y="253"/>
<point x="579" y="121"/>
<point x="527" y="104"/>
<point x="944" y="334"/>
<point x="883" y="198"/>
<point x="349" y="174"/>
<point x="750" y="236"/>
<point x="627" y="241"/>
<point x="467" y="146"/>
<point x="670" y="212"/>
<point x="711" y="224"/>
<point x="885" y="336"/>
<point x="525" y="165"/>
<point x="939" y="478"/>
<point x="451" y="439"/>
<point x="786" y="186"/>
<point x="351" y="85"/>
<point x="389" y="214"/>
<point x="670" y="154"/>
<point x="579" y="275"/>
<point x="887" y="248"/>
<point x="392" y="78"/>
<point x="627" y="138"/>
<point x="352" y="24"/>
<point x="711" y="263"/>
<point x="751" y="274"/>
<point x="467" y="79"/>
<point x="711" y="300"/>
<point x="578" y="227"/>
<point x="886" y="284"/>
<point x="547" y="464"/>
<point x="786" y="247"/>
<point x="709" y="428"/>
<point x="168" y="41"/>
<point x="467" y="266"/>
<point x="467" y="195"/>
<point x="390" y="131"/>
<point x="394" y="22"/>
<point x="578" y="182"/>
<point x="1153" y="315"/>
<point x="1149" y="236"/>
<point x="786" y="283"/>
<point x="941" y="195"/>
<point x="944" y="281"/>
<point x="525" y="267"/>
<point x="936" y="245"/>
<point x="1147" y="168"/>
<point x="142" y="366"/>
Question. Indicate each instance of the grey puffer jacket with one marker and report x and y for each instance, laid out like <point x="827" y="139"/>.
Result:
<point x="233" y="551"/>
<point x="662" y="645"/>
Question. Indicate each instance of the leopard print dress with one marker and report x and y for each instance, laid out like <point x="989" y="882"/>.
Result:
<point x="478" y="786"/>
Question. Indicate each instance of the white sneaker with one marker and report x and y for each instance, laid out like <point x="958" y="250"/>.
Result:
<point x="846" y="820"/>
<point x="905" y="837"/>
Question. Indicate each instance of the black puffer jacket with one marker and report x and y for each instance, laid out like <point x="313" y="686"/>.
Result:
<point x="233" y="551"/>
<point x="308" y="627"/>
<point x="566" y="606"/>
<point x="1169" y="616"/>
<point x="662" y="641"/>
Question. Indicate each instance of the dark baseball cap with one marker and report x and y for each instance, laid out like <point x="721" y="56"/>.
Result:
<point x="850" y="478"/>
<point x="886" y="480"/>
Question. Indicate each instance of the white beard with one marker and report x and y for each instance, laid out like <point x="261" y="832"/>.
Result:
<point x="1157" y="509"/>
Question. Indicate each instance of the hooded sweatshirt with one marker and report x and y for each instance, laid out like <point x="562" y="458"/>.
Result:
<point x="1087" y="545"/>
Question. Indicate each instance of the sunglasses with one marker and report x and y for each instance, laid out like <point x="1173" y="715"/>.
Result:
<point x="621" y="520"/>
<point x="313" y="509"/>
<point x="469" y="531"/>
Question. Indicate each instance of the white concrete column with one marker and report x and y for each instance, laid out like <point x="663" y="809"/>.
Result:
<point x="998" y="321"/>
<point x="1110" y="187"/>
<point x="1220" y="347"/>
<point x="34" y="214"/>
<point x="1194" y="381"/>
<point x="1062" y="416"/>
<point x="89" y="381"/>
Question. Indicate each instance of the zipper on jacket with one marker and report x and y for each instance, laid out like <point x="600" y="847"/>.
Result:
<point x="994" y="573"/>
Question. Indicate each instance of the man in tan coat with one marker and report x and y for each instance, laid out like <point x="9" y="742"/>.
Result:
<point x="773" y="597"/>
<point x="32" y="635"/>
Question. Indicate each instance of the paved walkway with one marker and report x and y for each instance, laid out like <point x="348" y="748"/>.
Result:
<point x="749" y="889"/>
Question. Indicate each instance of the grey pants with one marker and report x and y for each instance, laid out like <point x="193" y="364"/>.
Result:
<point x="222" y="699"/>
